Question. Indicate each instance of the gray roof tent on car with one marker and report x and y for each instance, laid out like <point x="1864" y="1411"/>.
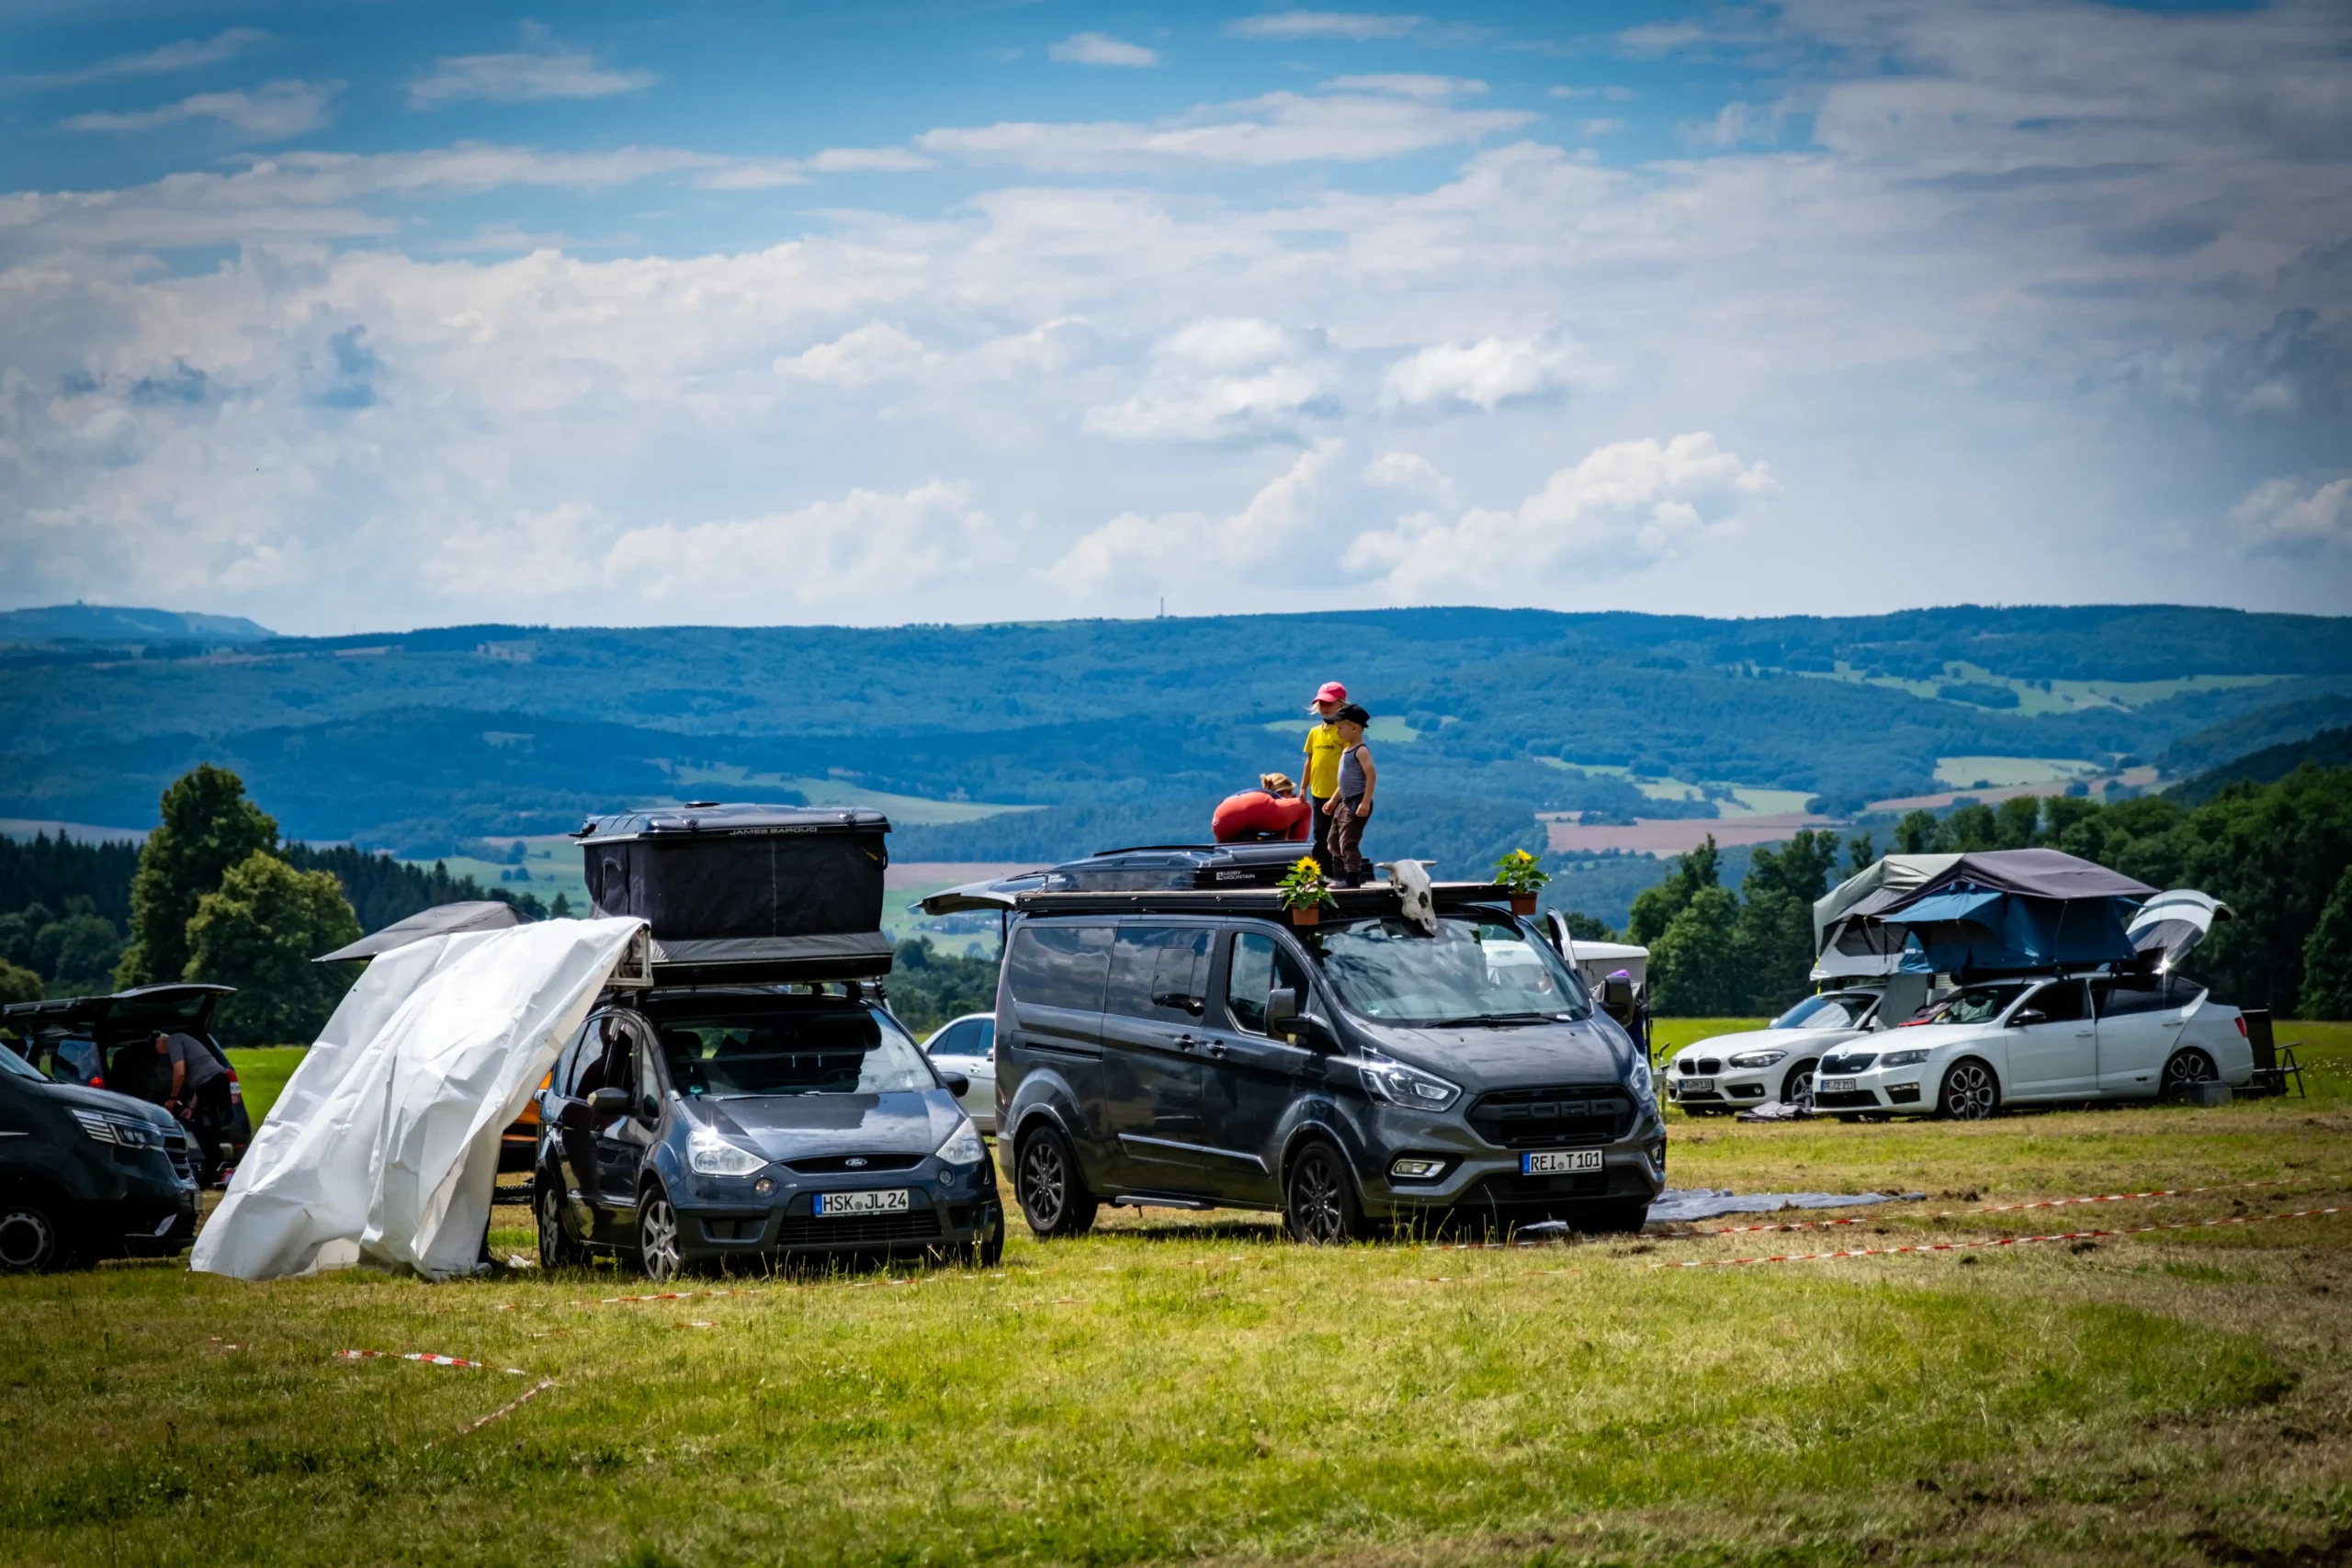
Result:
<point x="746" y="892"/>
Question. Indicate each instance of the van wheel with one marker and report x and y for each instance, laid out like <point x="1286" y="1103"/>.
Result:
<point x="657" y="1237"/>
<point x="557" y="1248"/>
<point x="1970" y="1093"/>
<point x="1319" y="1200"/>
<point x="29" y="1238"/>
<point x="1797" y="1088"/>
<point x="2187" y="1067"/>
<point x="1054" y="1196"/>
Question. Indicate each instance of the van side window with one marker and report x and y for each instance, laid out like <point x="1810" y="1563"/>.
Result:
<point x="1260" y="963"/>
<point x="1159" y="972"/>
<point x="1061" y="966"/>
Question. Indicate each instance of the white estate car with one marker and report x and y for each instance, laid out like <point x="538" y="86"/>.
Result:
<point x="967" y="1046"/>
<point x="1719" y="1076"/>
<point x="2020" y="1042"/>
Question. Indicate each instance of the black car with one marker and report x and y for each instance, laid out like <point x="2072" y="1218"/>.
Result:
<point x="1189" y="1045"/>
<point x="690" y="1125"/>
<point x="86" y="1174"/>
<point x="108" y="1043"/>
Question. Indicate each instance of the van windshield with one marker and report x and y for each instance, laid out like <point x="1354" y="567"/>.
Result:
<point x="798" y="1050"/>
<point x="1473" y="971"/>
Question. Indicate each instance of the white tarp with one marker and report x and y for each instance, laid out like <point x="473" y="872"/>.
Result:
<point x="383" y="1146"/>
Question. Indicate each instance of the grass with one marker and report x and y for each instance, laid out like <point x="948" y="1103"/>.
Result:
<point x="1196" y="1389"/>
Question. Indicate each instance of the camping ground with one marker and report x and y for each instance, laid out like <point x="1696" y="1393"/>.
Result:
<point x="1179" y="1388"/>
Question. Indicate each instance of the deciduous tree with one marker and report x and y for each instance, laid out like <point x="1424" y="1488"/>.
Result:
<point x="258" y="931"/>
<point x="207" y="825"/>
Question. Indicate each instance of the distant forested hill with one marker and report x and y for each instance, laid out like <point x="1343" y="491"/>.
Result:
<point x="113" y="624"/>
<point x="417" y="741"/>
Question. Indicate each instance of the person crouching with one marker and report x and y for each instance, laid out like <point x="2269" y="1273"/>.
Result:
<point x="1272" y="812"/>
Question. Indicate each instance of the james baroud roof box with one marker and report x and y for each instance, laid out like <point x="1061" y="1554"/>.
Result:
<point x="751" y="893"/>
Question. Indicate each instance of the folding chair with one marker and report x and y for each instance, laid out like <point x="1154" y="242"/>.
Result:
<point x="2273" y="1064"/>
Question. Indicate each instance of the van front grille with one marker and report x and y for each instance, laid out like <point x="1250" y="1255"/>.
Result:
<point x="1564" y="1115"/>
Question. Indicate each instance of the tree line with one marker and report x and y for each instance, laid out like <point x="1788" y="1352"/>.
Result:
<point x="2278" y="854"/>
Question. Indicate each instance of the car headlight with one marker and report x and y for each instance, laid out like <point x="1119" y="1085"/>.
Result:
<point x="1756" y="1058"/>
<point x="963" y="1145"/>
<point x="707" y="1154"/>
<point x="1901" y="1058"/>
<point x="1400" y="1085"/>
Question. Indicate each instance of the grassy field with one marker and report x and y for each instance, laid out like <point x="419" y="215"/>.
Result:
<point x="1195" y="1388"/>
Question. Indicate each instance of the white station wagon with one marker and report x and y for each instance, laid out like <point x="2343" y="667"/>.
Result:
<point x="2024" y="1041"/>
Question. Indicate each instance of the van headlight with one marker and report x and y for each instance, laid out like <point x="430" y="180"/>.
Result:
<point x="1756" y="1058"/>
<point x="1409" y="1087"/>
<point x="707" y="1154"/>
<point x="1643" y="1086"/>
<point x="963" y="1145"/>
<point x="1901" y="1058"/>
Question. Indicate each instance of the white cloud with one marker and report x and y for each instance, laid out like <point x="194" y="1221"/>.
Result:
<point x="2290" y="517"/>
<point x="1102" y="48"/>
<point x="1484" y="373"/>
<point x="1625" y="506"/>
<point x="875" y="351"/>
<point x="866" y="548"/>
<point x="1134" y="554"/>
<point x="1279" y="128"/>
<point x="1358" y="27"/>
<point x="1222" y="379"/>
<point x="1602" y="127"/>
<point x="1407" y="84"/>
<point x="1736" y="122"/>
<point x="1411" y="472"/>
<point x="524" y="76"/>
<point x="1662" y="38"/>
<point x="270" y="113"/>
<point x="189" y="54"/>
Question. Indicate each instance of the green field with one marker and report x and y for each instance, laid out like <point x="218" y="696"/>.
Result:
<point x="1195" y="1388"/>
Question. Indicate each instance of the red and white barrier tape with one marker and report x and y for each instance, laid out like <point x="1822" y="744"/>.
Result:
<point x="664" y="1296"/>
<point x="1995" y="1208"/>
<point x="426" y="1357"/>
<point x="508" y="1408"/>
<point x="1996" y="1241"/>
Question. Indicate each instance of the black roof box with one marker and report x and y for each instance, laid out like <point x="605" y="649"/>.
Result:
<point x="747" y="891"/>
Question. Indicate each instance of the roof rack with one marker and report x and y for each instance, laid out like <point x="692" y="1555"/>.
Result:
<point x="1374" y="899"/>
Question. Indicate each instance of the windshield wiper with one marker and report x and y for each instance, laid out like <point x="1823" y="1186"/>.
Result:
<point x="1492" y="1020"/>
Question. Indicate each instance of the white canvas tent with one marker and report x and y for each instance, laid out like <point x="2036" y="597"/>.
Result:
<point x="383" y="1147"/>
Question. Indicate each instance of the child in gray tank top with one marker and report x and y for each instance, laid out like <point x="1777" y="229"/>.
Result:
<point x="1352" y="809"/>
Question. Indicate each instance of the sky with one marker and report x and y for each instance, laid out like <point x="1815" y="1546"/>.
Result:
<point x="365" y="317"/>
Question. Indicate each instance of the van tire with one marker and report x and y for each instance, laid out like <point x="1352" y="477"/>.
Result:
<point x="1319" y="1203"/>
<point x="1053" y="1193"/>
<point x="31" y="1241"/>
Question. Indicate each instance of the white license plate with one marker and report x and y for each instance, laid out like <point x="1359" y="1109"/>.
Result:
<point x="1553" y="1162"/>
<point x="1698" y="1086"/>
<point x="840" y="1205"/>
<point x="1835" y="1085"/>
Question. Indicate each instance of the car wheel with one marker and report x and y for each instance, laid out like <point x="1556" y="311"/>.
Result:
<point x="1319" y="1200"/>
<point x="1054" y="1196"/>
<point x="1970" y="1092"/>
<point x="557" y="1248"/>
<point x="657" y="1237"/>
<point x="2186" y="1067"/>
<point x="1797" y="1088"/>
<point x="29" y="1238"/>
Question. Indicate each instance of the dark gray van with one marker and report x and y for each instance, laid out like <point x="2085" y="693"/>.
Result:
<point x="1192" y="1048"/>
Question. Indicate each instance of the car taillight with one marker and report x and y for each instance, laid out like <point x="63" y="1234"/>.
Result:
<point x="2240" y="1020"/>
<point x="236" y="1089"/>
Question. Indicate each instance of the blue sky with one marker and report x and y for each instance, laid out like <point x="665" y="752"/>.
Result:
<point x="374" y="316"/>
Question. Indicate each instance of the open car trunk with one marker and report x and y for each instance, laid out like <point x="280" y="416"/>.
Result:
<point x="2170" y="925"/>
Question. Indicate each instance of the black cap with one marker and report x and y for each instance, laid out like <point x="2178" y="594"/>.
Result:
<point x="1351" y="714"/>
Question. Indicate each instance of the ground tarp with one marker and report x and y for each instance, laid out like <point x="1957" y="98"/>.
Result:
<point x="383" y="1146"/>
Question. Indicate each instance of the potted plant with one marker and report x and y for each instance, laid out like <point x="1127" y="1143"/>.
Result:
<point x="1523" y="876"/>
<point x="1305" y="892"/>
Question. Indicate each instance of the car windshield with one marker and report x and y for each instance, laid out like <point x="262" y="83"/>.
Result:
<point x="738" y="1054"/>
<point x="16" y="1067"/>
<point x="1472" y="971"/>
<point x="1977" y="1004"/>
<point x="1839" y="1010"/>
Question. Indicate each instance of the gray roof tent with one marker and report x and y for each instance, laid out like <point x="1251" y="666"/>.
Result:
<point x="1866" y="922"/>
<point x="746" y="891"/>
<point x="441" y="920"/>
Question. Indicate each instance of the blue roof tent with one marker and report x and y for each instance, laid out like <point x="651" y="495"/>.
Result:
<point x="2015" y="910"/>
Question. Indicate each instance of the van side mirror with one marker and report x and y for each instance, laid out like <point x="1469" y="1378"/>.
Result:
<point x="1617" y="994"/>
<point x="1282" y="1010"/>
<point x="956" y="1083"/>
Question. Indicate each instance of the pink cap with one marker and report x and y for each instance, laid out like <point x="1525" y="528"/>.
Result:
<point x="1331" y="692"/>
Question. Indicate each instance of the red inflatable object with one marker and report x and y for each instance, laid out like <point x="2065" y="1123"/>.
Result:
<point x="1254" y="814"/>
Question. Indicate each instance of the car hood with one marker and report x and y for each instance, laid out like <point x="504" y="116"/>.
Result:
<point x="1511" y="1056"/>
<point x="1795" y="1042"/>
<point x="798" y="1126"/>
